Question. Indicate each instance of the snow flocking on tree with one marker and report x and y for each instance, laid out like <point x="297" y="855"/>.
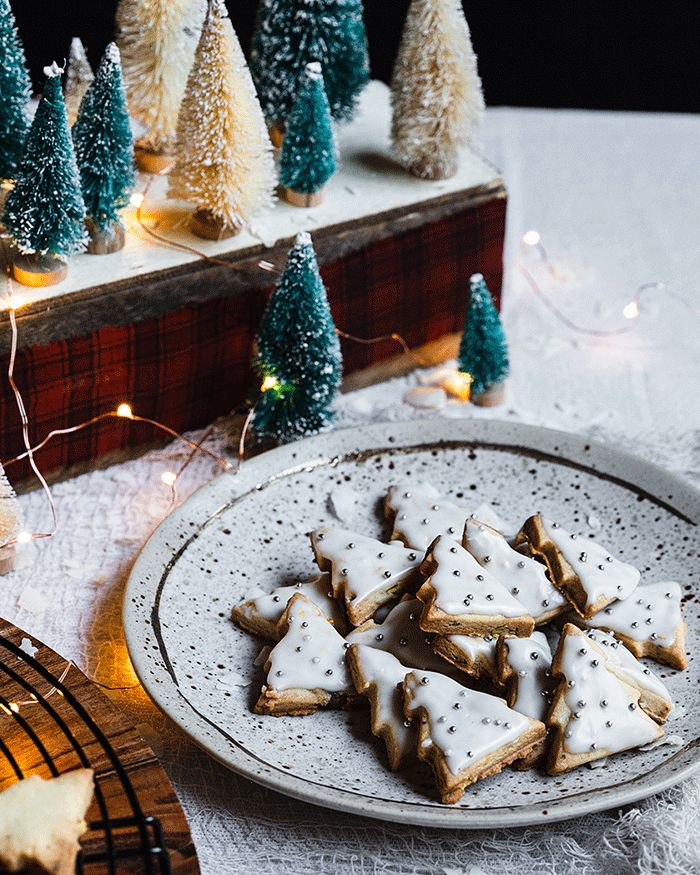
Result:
<point x="224" y="158"/>
<point x="15" y="91"/>
<point x="437" y="99"/>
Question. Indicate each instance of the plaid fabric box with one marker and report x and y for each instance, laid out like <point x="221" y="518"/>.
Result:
<point x="187" y="365"/>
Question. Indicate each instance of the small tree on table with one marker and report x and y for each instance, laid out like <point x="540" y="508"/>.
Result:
<point x="289" y="34"/>
<point x="157" y="39"/>
<point x="308" y="158"/>
<point x="435" y="88"/>
<point x="483" y="351"/>
<point x="298" y="353"/>
<point x="79" y="75"/>
<point x="224" y="159"/>
<point x="15" y="91"/>
<point x="45" y="212"/>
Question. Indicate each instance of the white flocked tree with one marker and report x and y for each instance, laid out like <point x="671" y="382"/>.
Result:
<point x="224" y="160"/>
<point x="79" y="75"/>
<point x="157" y="40"/>
<point x="437" y="99"/>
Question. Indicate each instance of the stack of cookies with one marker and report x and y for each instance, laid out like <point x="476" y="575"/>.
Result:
<point x="459" y="673"/>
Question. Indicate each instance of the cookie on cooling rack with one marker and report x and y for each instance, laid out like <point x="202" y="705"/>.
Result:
<point x="584" y="571"/>
<point x="306" y="669"/>
<point x="41" y="822"/>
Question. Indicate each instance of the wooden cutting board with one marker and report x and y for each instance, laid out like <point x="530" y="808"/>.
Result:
<point x="135" y="811"/>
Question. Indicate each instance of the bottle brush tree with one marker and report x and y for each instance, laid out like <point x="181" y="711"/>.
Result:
<point x="224" y="159"/>
<point x="157" y="39"/>
<point x="10" y="522"/>
<point x="79" y="75"/>
<point x="15" y="91"/>
<point x="291" y="33"/>
<point x="298" y="354"/>
<point x="45" y="212"/>
<point x="483" y="350"/>
<point x="436" y="90"/>
<point x="104" y="150"/>
<point x="308" y="158"/>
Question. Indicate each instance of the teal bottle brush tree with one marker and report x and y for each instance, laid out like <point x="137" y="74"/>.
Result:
<point x="15" y="91"/>
<point x="308" y="157"/>
<point x="298" y="355"/>
<point x="45" y="212"/>
<point x="104" y="150"/>
<point x="483" y="351"/>
<point x="289" y="34"/>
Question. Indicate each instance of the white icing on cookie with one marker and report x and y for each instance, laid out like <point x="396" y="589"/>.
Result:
<point x="531" y="659"/>
<point x="311" y="655"/>
<point x="401" y="636"/>
<point x="421" y="514"/>
<point x="476" y="648"/>
<point x="381" y="668"/>
<point x="484" y="513"/>
<point x="651" y="613"/>
<point x="525" y="578"/>
<point x="271" y="606"/>
<point x="362" y="567"/>
<point x="462" y="586"/>
<point x="626" y="665"/>
<point x="604" y="713"/>
<point x="600" y="573"/>
<point x="464" y="724"/>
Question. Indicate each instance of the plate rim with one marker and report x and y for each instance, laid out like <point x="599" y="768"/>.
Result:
<point x="310" y="452"/>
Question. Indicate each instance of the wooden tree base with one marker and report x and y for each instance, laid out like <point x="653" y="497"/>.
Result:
<point x="302" y="199"/>
<point x="277" y="136"/>
<point x="209" y="227"/>
<point x="492" y="397"/>
<point x="39" y="271"/>
<point x="106" y="240"/>
<point x="7" y="560"/>
<point x="158" y="163"/>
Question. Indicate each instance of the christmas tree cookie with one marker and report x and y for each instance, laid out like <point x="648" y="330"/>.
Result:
<point x="42" y="820"/>
<point x="524" y="667"/>
<point x="474" y="655"/>
<point x="594" y="712"/>
<point x="379" y="676"/>
<point x="261" y="615"/>
<point x="649" y="622"/>
<point x="306" y="670"/>
<point x="654" y="698"/>
<point x="420" y="514"/>
<point x="401" y="636"/>
<point x="365" y="573"/>
<point x="464" y="735"/>
<point x="584" y="571"/>
<point x="462" y="598"/>
<point x="525" y="577"/>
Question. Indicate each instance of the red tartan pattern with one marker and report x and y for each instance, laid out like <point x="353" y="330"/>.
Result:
<point x="191" y="365"/>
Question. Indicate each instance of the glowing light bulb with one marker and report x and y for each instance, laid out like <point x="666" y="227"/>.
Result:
<point x="168" y="477"/>
<point x="23" y="537"/>
<point x="631" y="310"/>
<point x="125" y="411"/>
<point x="269" y="383"/>
<point x="7" y="184"/>
<point x="531" y="238"/>
<point x="14" y="707"/>
<point x="136" y="199"/>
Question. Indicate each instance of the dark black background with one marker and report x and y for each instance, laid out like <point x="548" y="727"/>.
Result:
<point x="617" y="54"/>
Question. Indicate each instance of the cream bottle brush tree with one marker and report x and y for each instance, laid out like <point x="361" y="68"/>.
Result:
<point x="436" y="91"/>
<point x="224" y="160"/>
<point x="79" y="75"/>
<point x="157" y="40"/>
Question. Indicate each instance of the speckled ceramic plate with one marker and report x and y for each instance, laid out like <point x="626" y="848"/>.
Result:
<point x="247" y="531"/>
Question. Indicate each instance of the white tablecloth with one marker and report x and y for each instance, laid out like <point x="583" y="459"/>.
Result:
<point x="616" y="198"/>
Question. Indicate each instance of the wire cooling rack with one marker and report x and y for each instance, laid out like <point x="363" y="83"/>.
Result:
<point x="46" y="730"/>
